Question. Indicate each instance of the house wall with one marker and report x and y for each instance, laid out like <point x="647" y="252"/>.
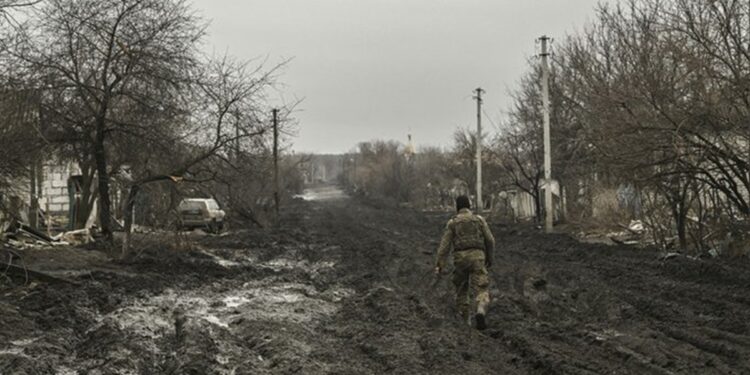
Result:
<point x="55" y="197"/>
<point x="521" y="203"/>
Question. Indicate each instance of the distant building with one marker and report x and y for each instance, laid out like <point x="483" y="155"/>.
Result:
<point x="519" y="204"/>
<point x="409" y="149"/>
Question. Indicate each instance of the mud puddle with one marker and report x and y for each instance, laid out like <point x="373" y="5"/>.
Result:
<point x="254" y="320"/>
<point x="268" y="300"/>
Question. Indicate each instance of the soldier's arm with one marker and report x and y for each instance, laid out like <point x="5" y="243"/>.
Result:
<point x="489" y="242"/>
<point x="445" y="245"/>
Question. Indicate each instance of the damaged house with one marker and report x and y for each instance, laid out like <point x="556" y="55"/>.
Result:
<point x="40" y="185"/>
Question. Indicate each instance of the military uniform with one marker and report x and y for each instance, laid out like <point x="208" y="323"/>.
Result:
<point x="472" y="242"/>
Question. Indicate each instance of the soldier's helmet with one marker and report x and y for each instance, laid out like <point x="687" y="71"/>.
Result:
<point x="462" y="201"/>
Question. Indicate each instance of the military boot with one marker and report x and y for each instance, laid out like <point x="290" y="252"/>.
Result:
<point x="481" y="316"/>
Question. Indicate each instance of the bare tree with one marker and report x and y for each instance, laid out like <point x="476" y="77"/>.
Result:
<point x="655" y="94"/>
<point x="20" y="144"/>
<point x="463" y="158"/>
<point x="104" y="68"/>
<point x="380" y="169"/>
<point x="520" y="153"/>
<point x="225" y="114"/>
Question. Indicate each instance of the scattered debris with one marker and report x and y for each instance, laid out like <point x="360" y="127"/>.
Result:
<point x="28" y="231"/>
<point x="668" y="256"/>
<point x="20" y="235"/>
<point x="77" y="237"/>
<point x="636" y="226"/>
<point x="620" y="241"/>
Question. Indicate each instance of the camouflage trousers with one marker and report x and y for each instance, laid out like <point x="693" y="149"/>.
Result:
<point x="470" y="275"/>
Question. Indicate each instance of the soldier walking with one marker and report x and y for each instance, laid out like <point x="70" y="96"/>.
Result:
<point x="472" y="242"/>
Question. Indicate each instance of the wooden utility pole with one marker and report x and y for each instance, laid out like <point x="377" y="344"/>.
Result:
<point x="478" y="97"/>
<point x="276" y="161"/>
<point x="548" y="204"/>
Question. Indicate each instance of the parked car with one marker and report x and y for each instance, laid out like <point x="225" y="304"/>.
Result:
<point x="201" y="213"/>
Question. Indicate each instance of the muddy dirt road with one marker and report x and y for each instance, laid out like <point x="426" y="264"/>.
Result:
<point x="344" y="287"/>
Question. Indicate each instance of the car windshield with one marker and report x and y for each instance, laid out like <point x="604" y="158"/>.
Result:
<point x="191" y="205"/>
<point x="212" y="205"/>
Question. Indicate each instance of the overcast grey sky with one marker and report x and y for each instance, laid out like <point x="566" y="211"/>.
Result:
<point x="379" y="69"/>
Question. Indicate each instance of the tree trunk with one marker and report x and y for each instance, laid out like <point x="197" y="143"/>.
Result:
<point x="128" y="209"/>
<point x="537" y="206"/>
<point x="87" y="197"/>
<point x="33" y="198"/>
<point x="103" y="182"/>
<point x="681" y="221"/>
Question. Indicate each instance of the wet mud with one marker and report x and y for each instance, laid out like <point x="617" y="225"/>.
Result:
<point x="344" y="287"/>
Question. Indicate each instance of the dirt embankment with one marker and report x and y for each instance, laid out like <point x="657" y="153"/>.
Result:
<point x="345" y="287"/>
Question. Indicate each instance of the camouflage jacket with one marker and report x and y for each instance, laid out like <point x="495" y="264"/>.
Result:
<point x="459" y="235"/>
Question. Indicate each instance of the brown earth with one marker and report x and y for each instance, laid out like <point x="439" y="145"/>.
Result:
<point x="345" y="287"/>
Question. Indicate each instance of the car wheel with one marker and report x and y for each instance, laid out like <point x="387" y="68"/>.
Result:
<point x="213" y="227"/>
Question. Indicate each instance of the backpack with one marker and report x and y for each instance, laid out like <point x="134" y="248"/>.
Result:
<point x="467" y="233"/>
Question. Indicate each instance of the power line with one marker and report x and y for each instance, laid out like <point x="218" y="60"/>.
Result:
<point x="489" y="118"/>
